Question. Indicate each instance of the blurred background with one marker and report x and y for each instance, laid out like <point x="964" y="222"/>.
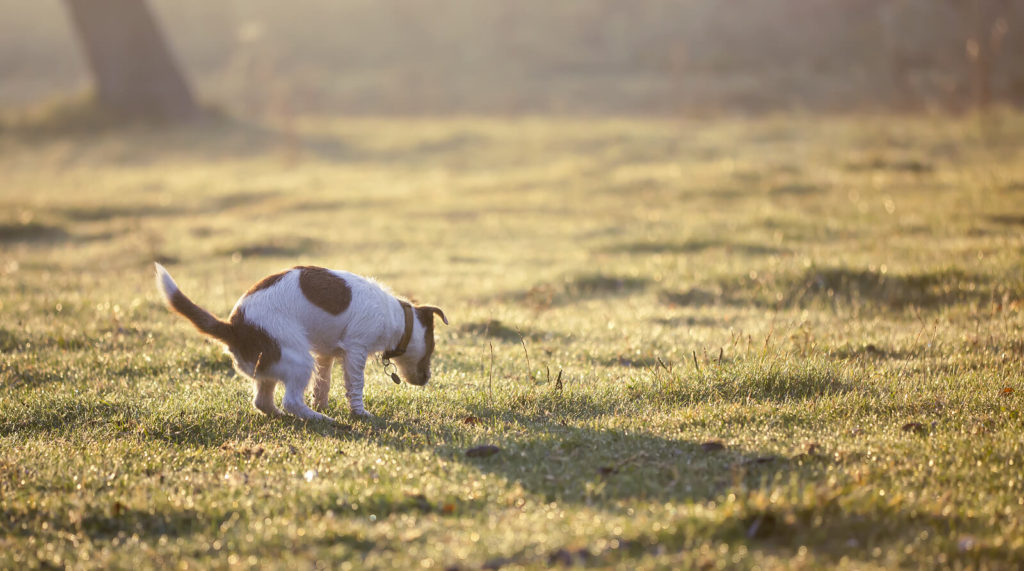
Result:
<point x="402" y="57"/>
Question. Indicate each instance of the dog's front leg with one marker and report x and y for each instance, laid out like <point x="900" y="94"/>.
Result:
<point x="322" y="384"/>
<point x="355" y="364"/>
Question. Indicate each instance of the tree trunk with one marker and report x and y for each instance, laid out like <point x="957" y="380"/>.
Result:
<point x="133" y="68"/>
<point x="986" y="23"/>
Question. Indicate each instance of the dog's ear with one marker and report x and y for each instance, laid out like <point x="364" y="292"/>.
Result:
<point x="436" y="310"/>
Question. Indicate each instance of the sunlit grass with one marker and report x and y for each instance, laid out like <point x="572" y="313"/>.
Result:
<point x="789" y="341"/>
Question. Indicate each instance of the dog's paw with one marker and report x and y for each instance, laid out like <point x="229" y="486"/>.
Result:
<point x="271" y="412"/>
<point x="360" y="413"/>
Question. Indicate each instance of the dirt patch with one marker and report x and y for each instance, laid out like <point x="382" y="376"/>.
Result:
<point x="31" y="232"/>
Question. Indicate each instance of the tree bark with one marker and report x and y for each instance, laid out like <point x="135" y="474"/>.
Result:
<point x="134" y="71"/>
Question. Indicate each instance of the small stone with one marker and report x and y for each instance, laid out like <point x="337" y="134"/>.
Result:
<point x="483" y="451"/>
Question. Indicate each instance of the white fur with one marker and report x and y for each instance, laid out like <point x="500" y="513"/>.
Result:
<point x="311" y="339"/>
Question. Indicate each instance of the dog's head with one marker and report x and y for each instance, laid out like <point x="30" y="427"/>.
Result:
<point x="414" y="364"/>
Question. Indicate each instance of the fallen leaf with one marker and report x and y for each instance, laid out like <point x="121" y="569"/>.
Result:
<point x="606" y="470"/>
<point x="568" y="557"/>
<point x="471" y="420"/>
<point x="915" y="427"/>
<point x="712" y="446"/>
<point x="483" y="451"/>
<point x="448" y="508"/>
<point x="1007" y="391"/>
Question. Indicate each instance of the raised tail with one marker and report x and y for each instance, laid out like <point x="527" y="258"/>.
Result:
<point x="202" y="319"/>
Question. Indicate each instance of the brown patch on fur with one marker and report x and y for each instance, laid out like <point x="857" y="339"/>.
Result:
<point x="426" y="317"/>
<point x="324" y="289"/>
<point x="436" y="310"/>
<point x="252" y="344"/>
<point x="266" y="282"/>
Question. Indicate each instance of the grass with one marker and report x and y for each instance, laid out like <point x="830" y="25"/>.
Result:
<point x="790" y="341"/>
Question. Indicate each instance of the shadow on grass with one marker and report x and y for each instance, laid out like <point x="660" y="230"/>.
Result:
<point x="211" y="135"/>
<point x="846" y="287"/>
<point x="105" y="522"/>
<point x="871" y="351"/>
<point x="578" y="288"/>
<point x="495" y="329"/>
<point x="9" y="341"/>
<point x="96" y="213"/>
<point x="31" y="232"/>
<point x="696" y="246"/>
<point x="67" y="415"/>
<point x="276" y="248"/>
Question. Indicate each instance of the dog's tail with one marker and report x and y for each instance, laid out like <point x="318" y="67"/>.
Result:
<point x="202" y="319"/>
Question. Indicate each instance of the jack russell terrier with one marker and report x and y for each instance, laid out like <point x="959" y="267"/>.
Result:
<point x="294" y="324"/>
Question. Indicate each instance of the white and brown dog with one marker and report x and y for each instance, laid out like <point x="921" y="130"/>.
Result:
<point x="294" y="324"/>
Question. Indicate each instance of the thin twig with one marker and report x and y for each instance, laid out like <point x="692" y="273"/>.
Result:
<point x="490" y="375"/>
<point x="529" y="367"/>
<point x="663" y="364"/>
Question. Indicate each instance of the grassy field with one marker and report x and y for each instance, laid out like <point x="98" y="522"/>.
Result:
<point x="791" y="341"/>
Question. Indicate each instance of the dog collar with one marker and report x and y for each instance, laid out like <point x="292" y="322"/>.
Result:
<point x="403" y="344"/>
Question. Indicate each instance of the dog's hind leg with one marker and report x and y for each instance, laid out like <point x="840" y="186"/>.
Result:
<point x="322" y="382"/>
<point x="264" y="397"/>
<point x="294" y="370"/>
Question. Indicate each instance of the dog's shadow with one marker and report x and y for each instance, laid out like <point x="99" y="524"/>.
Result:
<point x="566" y="452"/>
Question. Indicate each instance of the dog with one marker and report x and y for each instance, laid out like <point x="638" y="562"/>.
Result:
<point x="292" y="325"/>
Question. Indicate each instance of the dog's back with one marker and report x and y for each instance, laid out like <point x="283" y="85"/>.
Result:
<point x="290" y="306"/>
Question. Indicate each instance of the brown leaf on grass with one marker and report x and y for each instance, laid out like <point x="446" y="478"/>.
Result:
<point x="712" y="446"/>
<point x="607" y="470"/>
<point x="1007" y="391"/>
<point x="483" y="451"/>
<point x="471" y="420"/>
<point x="758" y="460"/>
<point x="448" y="508"/>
